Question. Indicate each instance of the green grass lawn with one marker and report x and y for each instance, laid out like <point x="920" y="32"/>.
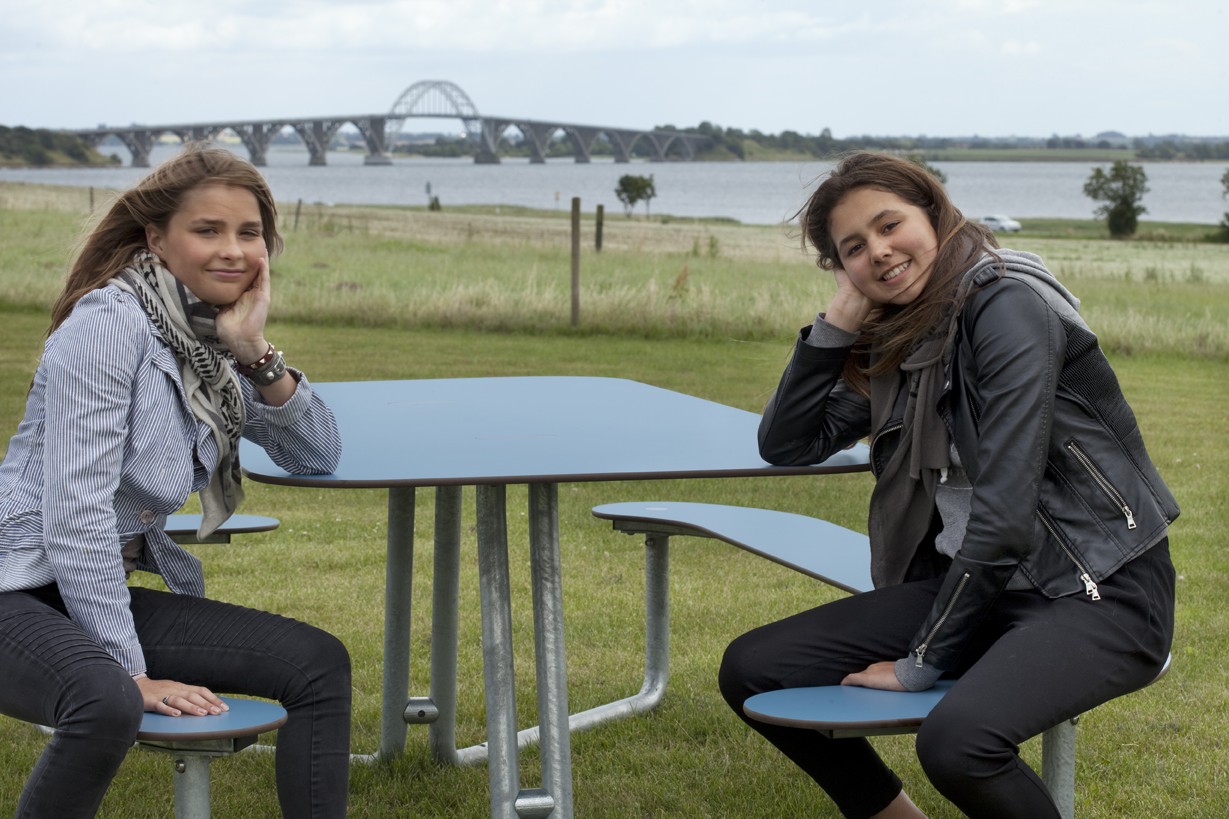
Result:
<point x="1160" y="752"/>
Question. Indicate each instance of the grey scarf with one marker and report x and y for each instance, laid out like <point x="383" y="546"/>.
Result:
<point x="214" y="394"/>
<point x="903" y="501"/>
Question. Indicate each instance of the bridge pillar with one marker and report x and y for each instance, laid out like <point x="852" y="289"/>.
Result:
<point x="488" y="143"/>
<point x="316" y="135"/>
<point x="539" y="136"/>
<point x="688" y="147"/>
<point x="657" y="147"/>
<point x="139" y="144"/>
<point x="257" y="137"/>
<point x="582" y="142"/>
<point x="374" y="130"/>
<point x="622" y="143"/>
<point x="201" y="133"/>
<point x="197" y="133"/>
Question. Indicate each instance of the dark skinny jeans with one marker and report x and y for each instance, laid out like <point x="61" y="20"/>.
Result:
<point x="56" y="675"/>
<point x="1033" y="663"/>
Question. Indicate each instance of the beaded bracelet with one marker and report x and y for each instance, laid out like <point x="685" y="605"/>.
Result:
<point x="267" y="369"/>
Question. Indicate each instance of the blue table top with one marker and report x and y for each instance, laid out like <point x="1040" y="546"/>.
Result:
<point x="538" y="429"/>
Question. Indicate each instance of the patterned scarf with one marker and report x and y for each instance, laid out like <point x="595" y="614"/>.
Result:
<point x="189" y="326"/>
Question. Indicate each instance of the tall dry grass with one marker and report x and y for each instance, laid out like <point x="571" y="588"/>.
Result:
<point x="510" y="271"/>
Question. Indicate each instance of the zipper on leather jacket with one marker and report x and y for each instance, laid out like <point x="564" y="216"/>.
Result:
<point x="947" y="610"/>
<point x="1090" y="585"/>
<point x="894" y="427"/>
<point x="1103" y="482"/>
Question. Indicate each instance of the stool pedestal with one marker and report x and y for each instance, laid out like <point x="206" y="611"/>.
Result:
<point x="195" y="741"/>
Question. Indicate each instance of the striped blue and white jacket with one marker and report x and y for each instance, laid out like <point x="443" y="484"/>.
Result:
<point x="107" y="449"/>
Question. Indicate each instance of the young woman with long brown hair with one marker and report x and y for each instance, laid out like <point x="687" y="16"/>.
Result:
<point x="155" y="365"/>
<point x="1018" y="528"/>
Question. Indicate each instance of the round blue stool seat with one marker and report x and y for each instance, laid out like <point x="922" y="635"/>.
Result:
<point x="846" y="710"/>
<point x="246" y="718"/>
<point x="183" y="527"/>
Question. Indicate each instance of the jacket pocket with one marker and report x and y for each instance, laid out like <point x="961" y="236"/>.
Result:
<point x="1101" y="481"/>
<point x="1090" y="585"/>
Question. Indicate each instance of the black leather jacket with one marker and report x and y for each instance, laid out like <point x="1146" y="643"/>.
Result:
<point x="1064" y="492"/>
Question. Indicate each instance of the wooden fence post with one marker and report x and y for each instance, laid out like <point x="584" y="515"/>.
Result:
<point x="597" y="237"/>
<point x="575" y="260"/>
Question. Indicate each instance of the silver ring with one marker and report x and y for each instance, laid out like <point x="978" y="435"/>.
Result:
<point x="164" y="700"/>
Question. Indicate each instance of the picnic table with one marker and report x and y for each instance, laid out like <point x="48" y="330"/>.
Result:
<point x="492" y="433"/>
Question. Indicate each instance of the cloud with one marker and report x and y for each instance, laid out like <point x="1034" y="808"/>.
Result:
<point x="1015" y="48"/>
<point x="474" y="26"/>
<point x="895" y="67"/>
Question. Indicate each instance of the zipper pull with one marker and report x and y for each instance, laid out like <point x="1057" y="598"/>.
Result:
<point x="1090" y="587"/>
<point x="921" y="652"/>
<point x="1126" y="510"/>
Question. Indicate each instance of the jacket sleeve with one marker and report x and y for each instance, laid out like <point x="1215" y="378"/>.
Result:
<point x="813" y="413"/>
<point x="1016" y="343"/>
<point x="90" y="364"/>
<point x="301" y="435"/>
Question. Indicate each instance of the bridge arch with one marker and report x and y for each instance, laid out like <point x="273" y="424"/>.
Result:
<point x="436" y="98"/>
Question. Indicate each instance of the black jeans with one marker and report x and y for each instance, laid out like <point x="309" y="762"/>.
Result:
<point x="56" y="675"/>
<point x="1032" y="664"/>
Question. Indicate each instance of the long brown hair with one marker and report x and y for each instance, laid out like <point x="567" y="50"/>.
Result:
<point x="109" y="246"/>
<point x="892" y="335"/>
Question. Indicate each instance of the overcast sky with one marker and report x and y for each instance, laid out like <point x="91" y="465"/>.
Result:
<point x="884" y="67"/>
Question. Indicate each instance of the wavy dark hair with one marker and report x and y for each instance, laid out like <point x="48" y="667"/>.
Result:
<point x="120" y="233"/>
<point x="886" y="341"/>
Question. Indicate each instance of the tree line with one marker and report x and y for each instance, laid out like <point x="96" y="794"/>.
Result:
<point x="42" y="147"/>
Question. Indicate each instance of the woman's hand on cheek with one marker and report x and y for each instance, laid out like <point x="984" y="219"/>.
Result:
<point x="241" y="325"/>
<point x="849" y="307"/>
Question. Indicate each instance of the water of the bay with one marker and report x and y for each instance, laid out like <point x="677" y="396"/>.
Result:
<point x="749" y="192"/>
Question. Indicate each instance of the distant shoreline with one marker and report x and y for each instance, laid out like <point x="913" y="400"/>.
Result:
<point x="757" y="160"/>
<point x="1012" y="155"/>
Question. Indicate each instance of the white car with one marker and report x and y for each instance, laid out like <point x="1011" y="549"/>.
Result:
<point x="1001" y="224"/>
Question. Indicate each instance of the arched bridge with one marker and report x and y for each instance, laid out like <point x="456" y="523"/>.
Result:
<point x="428" y="99"/>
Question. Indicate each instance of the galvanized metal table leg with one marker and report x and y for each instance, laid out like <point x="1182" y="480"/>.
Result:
<point x="503" y="771"/>
<point x="549" y="650"/>
<point x="442" y="734"/>
<point x="398" y="578"/>
<point x="656" y="645"/>
<point x="656" y="660"/>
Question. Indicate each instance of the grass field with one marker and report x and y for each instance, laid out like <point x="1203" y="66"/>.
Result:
<point x="707" y="309"/>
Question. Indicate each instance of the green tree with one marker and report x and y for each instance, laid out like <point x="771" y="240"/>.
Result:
<point x="633" y="189"/>
<point x="1121" y="190"/>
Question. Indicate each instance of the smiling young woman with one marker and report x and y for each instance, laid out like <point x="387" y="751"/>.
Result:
<point x="214" y="243"/>
<point x="155" y="365"/>
<point x="1018" y="528"/>
<point x="887" y="246"/>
